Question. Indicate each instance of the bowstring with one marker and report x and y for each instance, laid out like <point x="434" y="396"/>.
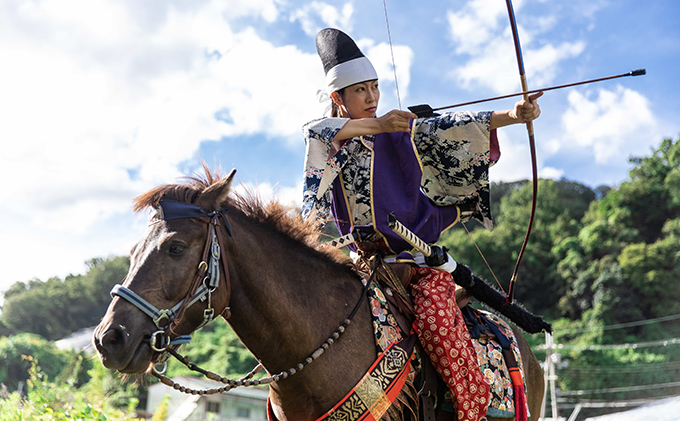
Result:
<point x="483" y="258"/>
<point x="396" y="84"/>
<point x="394" y="65"/>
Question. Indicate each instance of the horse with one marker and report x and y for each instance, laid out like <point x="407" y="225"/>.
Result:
<point x="283" y="296"/>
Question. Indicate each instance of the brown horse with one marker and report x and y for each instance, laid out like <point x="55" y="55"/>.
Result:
<point x="286" y="297"/>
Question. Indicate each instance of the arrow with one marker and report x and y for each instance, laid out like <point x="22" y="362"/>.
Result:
<point x="424" y="110"/>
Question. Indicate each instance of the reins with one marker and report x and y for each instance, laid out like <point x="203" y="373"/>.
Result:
<point x="205" y="282"/>
<point x="245" y="381"/>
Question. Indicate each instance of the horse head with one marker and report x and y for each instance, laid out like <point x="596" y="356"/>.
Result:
<point x="175" y="284"/>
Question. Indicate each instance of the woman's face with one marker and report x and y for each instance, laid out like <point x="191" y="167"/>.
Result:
<point x="361" y="100"/>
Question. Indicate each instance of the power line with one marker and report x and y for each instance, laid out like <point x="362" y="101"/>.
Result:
<point x="595" y="370"/>
<point x="662" y="342"/>
<point x="617" y="389"/>
<point x="621" y="325"/>
<point x="615" y="404"/>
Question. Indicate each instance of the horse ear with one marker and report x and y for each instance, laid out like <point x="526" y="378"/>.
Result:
<point x="215" y="195"/>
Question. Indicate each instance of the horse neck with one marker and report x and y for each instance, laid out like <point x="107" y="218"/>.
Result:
<point x="287" y="299"/>
<point x="285" y="293"/>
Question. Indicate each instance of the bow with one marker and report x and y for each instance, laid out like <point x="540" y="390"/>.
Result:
<point x="532" y="146"/>
<point x="424" y="111"/>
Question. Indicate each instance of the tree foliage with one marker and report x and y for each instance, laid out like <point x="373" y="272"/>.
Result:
<point x="560" y="207"/>
<point x="64" y="399"/>
<point x="216" y="348"/>
<point x="56" y="308"/>
<point x="596" y="258"/>
<point x="15" y="366"/>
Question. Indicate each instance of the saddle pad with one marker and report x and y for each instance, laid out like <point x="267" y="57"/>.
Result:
<point x="385" y="326"/>
<point x="490" y="356"/>
<point x="489" y="353"/>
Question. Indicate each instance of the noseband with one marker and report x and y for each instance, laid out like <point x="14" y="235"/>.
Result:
<point x="205" y="282"/>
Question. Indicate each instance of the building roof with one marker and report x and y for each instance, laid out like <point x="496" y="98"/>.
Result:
<point x="80" y="340"/>
<point x="661" y="410"/>
<point x="255" y="392"/>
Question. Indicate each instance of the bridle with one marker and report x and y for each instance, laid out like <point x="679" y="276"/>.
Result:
<point x="207" y="279"/>
<point x="205" y="282"/>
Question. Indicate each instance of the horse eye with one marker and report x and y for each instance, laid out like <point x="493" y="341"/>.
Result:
<point x="176" y="249"/>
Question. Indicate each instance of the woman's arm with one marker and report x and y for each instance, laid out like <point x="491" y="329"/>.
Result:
<point x="524" y="112"/>
<point x="393" y="121"/>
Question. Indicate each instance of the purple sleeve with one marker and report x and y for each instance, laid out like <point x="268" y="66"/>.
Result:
<point x="494" y="148"/>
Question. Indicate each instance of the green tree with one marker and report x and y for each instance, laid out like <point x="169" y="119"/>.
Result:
<point x="560" y="206"/>
<point x="46" y="399"/>
<point x="14" y="367"/>
<point x="625" y="256"/>
<point x="216" y="348"/>
<point x="55" y="308"/>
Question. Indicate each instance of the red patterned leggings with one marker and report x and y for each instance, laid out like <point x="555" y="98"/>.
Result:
<point x="442" y="332"/>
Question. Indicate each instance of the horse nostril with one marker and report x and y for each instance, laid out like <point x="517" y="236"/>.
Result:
<point x="112" y="341"/>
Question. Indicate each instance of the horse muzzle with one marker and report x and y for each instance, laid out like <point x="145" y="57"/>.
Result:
<point x="118" y="350"/>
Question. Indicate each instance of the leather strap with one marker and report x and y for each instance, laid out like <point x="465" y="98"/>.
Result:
<point x="428" y="391"/>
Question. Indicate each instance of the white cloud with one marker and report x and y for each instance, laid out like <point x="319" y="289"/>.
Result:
<point x="317" y="15"/>
<point x="476" y="25"/>
<point x="547" y="59"/>
<point x="515" y="162"/>
<point x="550" y="172"/>
<point x="601" y="128"/>
<point x="289" y="196"/>
<point x="82" y="117"/>
<point x="611" y="125"/>
<point x="481" y="33"/>
<point x="381" y="58"/>
<point x="102" y="100"/>
<point x="588" y="8"/>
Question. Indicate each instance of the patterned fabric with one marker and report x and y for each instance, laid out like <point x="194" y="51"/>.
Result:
<point x="385" y="326"/>
<point x="452" y="150"/>
<point x="379" y="395"/>
<point x="489" y="354"/>
<point x="373" y="396"/>
<point x="444" y="336"/>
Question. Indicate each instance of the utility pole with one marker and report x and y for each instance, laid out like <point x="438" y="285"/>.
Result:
<point x="549" y="379"/>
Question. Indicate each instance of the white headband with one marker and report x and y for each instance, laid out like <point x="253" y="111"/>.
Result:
<point x="350" y="72"/>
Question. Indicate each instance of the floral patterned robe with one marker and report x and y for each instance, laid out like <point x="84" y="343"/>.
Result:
<point x="421" y="176"/>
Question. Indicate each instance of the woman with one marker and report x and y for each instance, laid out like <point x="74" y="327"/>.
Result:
<point x="427" y="177"/>
<point x="429" y="172"/>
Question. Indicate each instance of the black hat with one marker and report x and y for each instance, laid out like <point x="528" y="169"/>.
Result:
<point x="342" y="60"/>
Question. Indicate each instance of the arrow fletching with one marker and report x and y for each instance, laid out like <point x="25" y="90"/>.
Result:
<point x="422" y="110"/>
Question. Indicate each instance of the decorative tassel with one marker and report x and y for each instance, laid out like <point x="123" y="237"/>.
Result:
<point x="520" y="397"/>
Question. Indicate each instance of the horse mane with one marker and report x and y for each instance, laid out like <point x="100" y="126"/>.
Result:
<point x="279" y="217"/>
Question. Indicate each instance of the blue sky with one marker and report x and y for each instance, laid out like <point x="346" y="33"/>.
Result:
<point x="101" y="100"/>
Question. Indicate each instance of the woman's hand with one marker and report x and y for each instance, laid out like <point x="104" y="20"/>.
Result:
<point x="526" y="111"/>
<point x="395" y="121"/>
